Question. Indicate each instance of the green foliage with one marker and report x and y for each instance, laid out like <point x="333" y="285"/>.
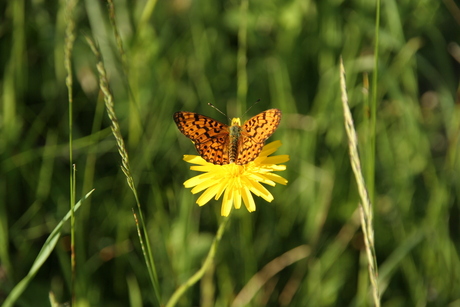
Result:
<point x="164" y="56"/>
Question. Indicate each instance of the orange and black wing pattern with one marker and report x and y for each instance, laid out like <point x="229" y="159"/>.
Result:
<point x="209" y="136"/>
<point x="212" y="138"/>
<point x="255" y="131"/>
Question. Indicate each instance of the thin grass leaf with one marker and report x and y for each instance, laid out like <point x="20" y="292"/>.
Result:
<point x="44" y="253"/>
<point x="397" y="256"/>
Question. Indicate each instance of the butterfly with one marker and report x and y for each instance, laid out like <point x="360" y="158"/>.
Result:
<point x="221" y="144"/>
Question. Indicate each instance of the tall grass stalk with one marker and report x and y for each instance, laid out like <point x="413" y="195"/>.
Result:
<point x="69" y="42"/>
<point x="109" y="103"/>
<point x="370" y="161"/>
<point x="147" y="12"/>
<point x="365" y="204"/>
<point x="134" y="117"/>
<point x="242" y="75"/>
<point x="116" y="34"/>
<point x="12" y="83"/>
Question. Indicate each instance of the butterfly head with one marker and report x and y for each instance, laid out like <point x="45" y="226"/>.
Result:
<point x="236" y="121"/>
<point x="235" y="130"/>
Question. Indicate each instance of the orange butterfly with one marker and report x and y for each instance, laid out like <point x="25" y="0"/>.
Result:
<point x="218" y="143"/>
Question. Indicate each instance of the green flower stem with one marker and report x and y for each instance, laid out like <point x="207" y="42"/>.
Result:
<point x="198" y="275"/>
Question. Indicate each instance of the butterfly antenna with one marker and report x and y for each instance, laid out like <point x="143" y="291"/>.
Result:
<point x="213" y="106"/>
<point x="251" y="106"/>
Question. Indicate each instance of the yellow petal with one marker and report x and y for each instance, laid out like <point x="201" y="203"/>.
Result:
<point x="192" y="182"/>
<point x="204" y="184"/>
<point x="237" y="183"/>
<point x="261" y="191"/>
<point x="223" y="185"/>
<point x="276" y="178"/>
<point x="237" y="198"/>
<point x="276" y="159"/>
<point x="207" y="195"/>
<point x="271" y="148"/>
<point x="248" y="200"/>
<point x="226" y="204"/>
<point x="194" y="159"/>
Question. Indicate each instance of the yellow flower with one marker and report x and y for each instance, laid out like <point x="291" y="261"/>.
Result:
<point x="237" y="182"/>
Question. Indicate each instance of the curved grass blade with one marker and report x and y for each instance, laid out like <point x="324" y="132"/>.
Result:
<point x="44" y="253"/>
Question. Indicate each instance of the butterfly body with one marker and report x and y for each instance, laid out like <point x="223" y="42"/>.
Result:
<point x="234" y="135"/>
<point x="218" y="143"/>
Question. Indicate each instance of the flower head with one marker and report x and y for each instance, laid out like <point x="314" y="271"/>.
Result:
<point x="237" y="182"/>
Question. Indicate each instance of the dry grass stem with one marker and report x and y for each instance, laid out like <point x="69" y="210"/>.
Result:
<point x="109" y="104"/>
<point x="268" y="271"/>
<point x="365" y="205"/>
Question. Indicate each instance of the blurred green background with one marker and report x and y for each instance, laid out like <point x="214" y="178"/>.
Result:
<point x="183" y="54"/>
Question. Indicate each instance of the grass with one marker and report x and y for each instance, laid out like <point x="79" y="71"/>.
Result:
<point x="306" y="248"/>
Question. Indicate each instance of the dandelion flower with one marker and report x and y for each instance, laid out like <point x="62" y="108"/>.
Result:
<point x="237" y="182"/>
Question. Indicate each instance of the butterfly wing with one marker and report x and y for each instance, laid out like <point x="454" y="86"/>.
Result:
<point x="209" y="136"/>
<point x="255" y="132"/>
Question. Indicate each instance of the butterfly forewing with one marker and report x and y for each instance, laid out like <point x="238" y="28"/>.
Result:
<point x="255" y="132"/>
<point x="209" y="136"/>
<point x="197" y="127"/>
<point x="263" y="125"/>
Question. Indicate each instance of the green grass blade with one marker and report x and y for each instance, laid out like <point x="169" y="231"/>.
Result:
<point x="370" y="161"/>
<point x="44" y="253"/>
<point x="242" y="75"/>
